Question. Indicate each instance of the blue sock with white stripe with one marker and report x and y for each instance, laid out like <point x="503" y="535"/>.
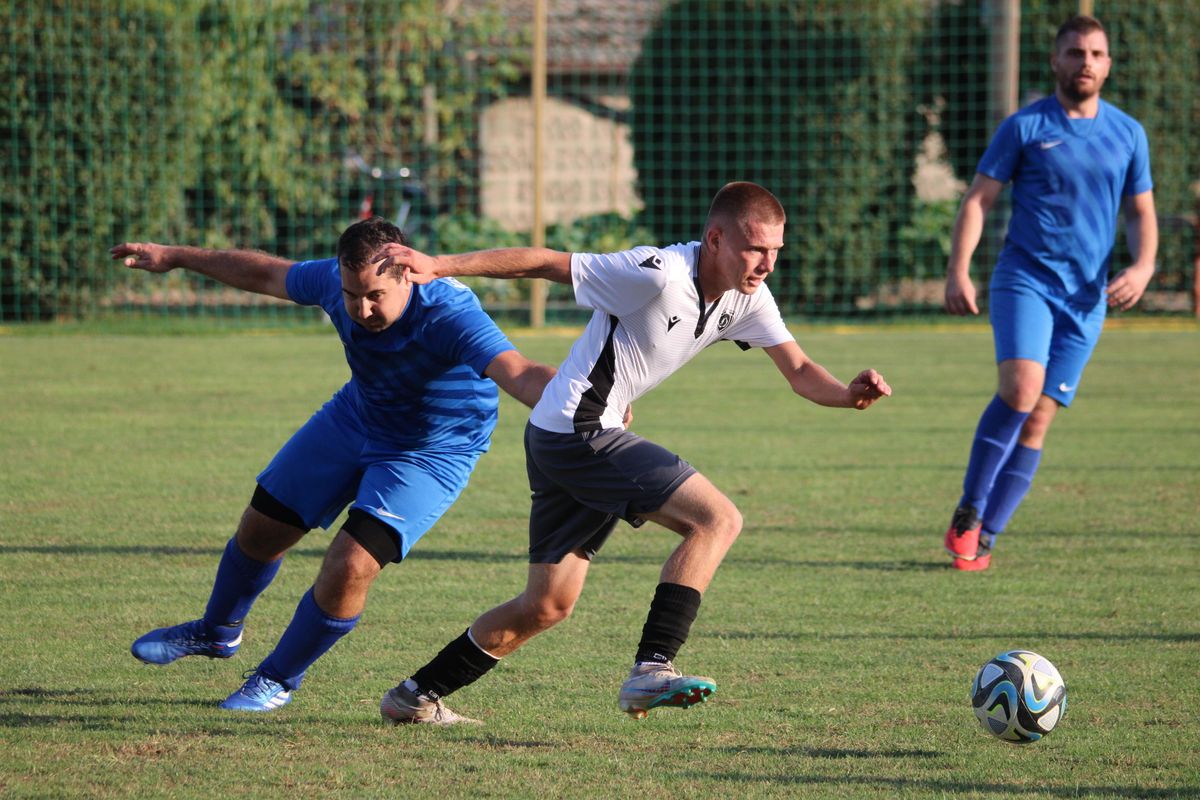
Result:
<point x="308" y="637"/>
<point x="1011" y="486"/>
<point x="994" y="438"/>
<point x="240" y="580"/>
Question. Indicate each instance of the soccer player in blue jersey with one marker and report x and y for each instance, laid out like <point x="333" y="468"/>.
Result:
<point x="397" y="443"/>
<point x="1074" y="161"/>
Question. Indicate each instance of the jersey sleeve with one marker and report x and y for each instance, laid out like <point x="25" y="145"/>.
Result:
<point x="1003" y="153"/>
<point x="763" y="326"/>
<point x="464" y="331"/>
<point x="619" y="283"/>
<point x="308" y="282"/>
<point x="1137" y="177"/>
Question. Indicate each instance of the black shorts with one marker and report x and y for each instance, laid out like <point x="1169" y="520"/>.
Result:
<point x="582" y="483"/>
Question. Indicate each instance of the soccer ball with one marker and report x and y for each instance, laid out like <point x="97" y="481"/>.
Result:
<point x="1018" y="696"/>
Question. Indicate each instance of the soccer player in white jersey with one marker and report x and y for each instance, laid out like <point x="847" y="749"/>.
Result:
<point x="655" y="308"/>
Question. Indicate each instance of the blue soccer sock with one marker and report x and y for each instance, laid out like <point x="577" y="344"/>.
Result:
<point x="994" y="437"/>
<point x="1010" y="488"/>
<point x="240" y="580"/>
<point x="308" y="637"/>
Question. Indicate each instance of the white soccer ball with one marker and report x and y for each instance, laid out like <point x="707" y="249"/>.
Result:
<point x="1019" y="696"/>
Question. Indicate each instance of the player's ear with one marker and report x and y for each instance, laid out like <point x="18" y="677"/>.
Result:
<point x="712" y="236"/>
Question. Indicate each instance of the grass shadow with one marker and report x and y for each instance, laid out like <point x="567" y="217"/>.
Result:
<point x="896" y="786"/>
<point x="832" y="753"/>
<point x="136" y="550"/>
<point x="1084" y="636"/>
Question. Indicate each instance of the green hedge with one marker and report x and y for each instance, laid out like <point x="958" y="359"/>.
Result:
<point x="808" y="100"/>
<point x="233" y="124"/>
<point x="224" y="124"/>
<point x="82" y="151"/>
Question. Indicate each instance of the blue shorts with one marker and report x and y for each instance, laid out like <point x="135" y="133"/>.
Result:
<point x="1033" y="325"/>
<point x="332" y="461"/>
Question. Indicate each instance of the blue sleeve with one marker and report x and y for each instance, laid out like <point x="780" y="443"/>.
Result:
<point x="467" y="334"/>
<point x="1137" y="178"/>
<point x="308" y="282"/>
<point x="1003" y="154"/>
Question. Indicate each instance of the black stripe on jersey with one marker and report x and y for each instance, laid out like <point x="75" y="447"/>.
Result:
<point x="593" y="402"/>
<point x="705" y="313"/>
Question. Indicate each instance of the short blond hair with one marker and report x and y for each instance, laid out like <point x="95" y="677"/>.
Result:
<point x="743" y="201"/>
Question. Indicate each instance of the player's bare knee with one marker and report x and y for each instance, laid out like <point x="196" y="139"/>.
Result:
<point x="726" y="522"/>
<point x="543" y="613"/>
<point x="735" y="522"/>
<point x="1021" y="396"/>
<point x="1033" y="432"/>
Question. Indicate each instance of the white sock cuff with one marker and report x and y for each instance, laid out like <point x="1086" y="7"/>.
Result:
<point x="471" y="636"/>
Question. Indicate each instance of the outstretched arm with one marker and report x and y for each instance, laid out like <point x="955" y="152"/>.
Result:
<point x="521" y="378"/>
<point x="512" y="262"/>
<point x="1141" y="232"/>
<point x="525" y="380"/>
<point x="968" y="229"/>
<point x="249" y="270"/>
<point x="813" y="382"/>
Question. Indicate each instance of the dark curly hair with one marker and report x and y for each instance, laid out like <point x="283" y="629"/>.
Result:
<point x="359" y="243"/>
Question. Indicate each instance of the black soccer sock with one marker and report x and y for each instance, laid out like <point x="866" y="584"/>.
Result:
<point x="671" y="616"/>
<point x="460" y="664"/>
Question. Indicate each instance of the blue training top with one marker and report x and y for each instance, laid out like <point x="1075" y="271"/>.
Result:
<point x="1069" y="177"/>
<point x="419" y="383"/>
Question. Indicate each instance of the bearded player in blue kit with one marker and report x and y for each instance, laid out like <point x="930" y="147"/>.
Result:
<point x="397" y="443"/>
<point x="1074" y="161"/>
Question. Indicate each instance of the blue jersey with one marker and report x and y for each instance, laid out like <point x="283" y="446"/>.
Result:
<point x="1069" y="177"/>
<point x="419" y="383"/>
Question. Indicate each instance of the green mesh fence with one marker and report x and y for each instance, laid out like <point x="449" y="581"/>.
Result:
<point x="273" y="125"/>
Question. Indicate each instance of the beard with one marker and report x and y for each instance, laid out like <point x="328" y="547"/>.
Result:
<point x="1076" y="95"/>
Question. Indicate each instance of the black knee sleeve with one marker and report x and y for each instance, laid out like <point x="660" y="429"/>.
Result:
<point x="268" y="506"/>
<point x="376" y="538"/>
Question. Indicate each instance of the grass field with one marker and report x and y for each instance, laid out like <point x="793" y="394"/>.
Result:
<point x="842" y="643"/>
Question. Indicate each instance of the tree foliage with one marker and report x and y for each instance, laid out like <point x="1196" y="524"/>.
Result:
<point x="226" y="124"/>
<point x="808" y="99"/>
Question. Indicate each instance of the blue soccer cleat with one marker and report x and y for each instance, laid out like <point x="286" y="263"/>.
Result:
<point x="164" y="645"/>
<point x="258" y="693"/>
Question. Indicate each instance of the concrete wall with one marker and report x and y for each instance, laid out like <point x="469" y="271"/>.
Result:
<point x="588" y="163"/>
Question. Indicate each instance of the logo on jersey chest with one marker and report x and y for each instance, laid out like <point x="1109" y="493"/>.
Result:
<point x="723" y="322"/>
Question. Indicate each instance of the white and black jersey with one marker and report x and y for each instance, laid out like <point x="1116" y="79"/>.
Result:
<point x="650" y="319"/>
